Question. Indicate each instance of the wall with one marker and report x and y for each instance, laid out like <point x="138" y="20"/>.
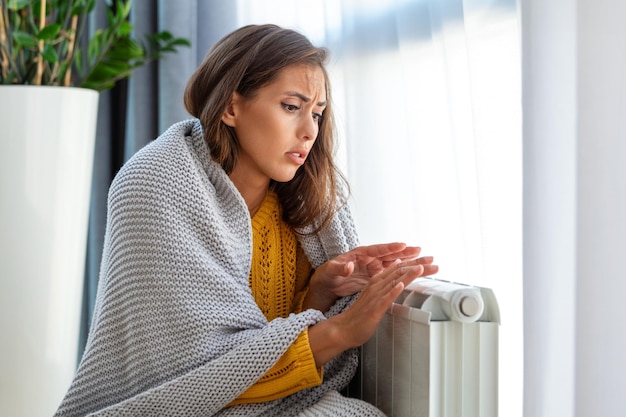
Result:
<point x="574" y="69"/>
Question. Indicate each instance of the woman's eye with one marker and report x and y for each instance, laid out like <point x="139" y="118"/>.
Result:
<point x="318" y="117"/>
<point x="290" y="107"/>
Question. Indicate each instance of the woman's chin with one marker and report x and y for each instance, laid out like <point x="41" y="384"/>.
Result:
<point x="285" y="176"/>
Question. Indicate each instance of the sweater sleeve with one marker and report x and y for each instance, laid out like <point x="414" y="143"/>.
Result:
<point x="293" y="372"/>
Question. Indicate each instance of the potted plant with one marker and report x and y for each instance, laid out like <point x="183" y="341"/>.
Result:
<point x="42" y="43"/>
<point x="51" y="72"/>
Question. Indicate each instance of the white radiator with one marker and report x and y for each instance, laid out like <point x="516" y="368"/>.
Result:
<point x="435" y="353"/>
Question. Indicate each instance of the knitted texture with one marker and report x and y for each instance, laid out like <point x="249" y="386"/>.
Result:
<point x="280" y="269"/>
<point x="176" y="330"/>
<point x="332" y="404"/>
<point x="274" y="276"/>
<point x="278" y="280"/>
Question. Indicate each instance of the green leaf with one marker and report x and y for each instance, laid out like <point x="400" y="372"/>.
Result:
<point x="49" y="32"/>
<point x="63" y="66"/>
<point x="110" y="18"/>
<point x="106" y="74"/>
<point x="126" y="7"/>
<point x="98" y="86"/>
<point x="108" y="70"/>
<point x="80" y="7"/>
<point x="164" y="35"/>
<point x="49" y="54"/>
<point x="180" y="42"/>
<point x="125" y="49"/>
<point x="125" y="28"/>
<point x="91" y="4"/>
<point x="15" y="5"/>
<point x="24" y="39"/>
<point x="95" y="45"/>
<point x="78" y="60"/>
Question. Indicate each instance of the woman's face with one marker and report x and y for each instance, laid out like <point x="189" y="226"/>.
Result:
<point x="277" y="127"/>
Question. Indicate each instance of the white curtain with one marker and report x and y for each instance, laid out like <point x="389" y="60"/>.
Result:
<point x="574" y="78"/>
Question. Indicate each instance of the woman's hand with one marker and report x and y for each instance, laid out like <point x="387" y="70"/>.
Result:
<point x="348" y="273"/>
<point x="357" y="324"/>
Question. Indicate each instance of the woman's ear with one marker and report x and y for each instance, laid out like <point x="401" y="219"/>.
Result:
<point x="228" y="117"/>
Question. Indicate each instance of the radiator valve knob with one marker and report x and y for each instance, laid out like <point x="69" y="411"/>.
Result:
<point x="470" y="306"/>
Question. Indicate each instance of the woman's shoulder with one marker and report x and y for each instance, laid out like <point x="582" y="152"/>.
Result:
<point x="169" y="148"/>
<point x="171" y="157"/>
<point x="175" y="170"/>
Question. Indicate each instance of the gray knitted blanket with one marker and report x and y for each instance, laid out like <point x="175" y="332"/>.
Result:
<point x="176" y="330"/>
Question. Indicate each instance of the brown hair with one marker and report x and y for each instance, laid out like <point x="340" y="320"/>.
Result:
<point x="244" y="61"/>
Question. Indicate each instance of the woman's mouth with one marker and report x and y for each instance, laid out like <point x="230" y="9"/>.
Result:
<point x="298" y="157"/>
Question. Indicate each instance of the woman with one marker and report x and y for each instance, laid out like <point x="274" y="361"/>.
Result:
<point x="231" y="269"/>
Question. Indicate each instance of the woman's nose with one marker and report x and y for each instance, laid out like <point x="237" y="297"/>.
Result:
<point x="308" y="129"/>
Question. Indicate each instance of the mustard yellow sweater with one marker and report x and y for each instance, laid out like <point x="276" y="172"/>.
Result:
<point x="279" y="281"/>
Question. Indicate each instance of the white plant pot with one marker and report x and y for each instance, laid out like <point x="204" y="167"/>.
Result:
<point x="47" y="137"/>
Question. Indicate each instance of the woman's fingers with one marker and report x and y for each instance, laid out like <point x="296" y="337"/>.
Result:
<point x="385" y="286"/>
<point x="386" y="251"/>
<point x="381" y="288"/>
<point x="403" y="273"/>
<point x="334" y="268"/>
<point x="398" y="251"/>
<point x="424" y="260"/>
<point x="409" y="253"/>
<point x="430" y="269"/>
<point x="362" y="318"/>
<point x="379" y="256"/>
